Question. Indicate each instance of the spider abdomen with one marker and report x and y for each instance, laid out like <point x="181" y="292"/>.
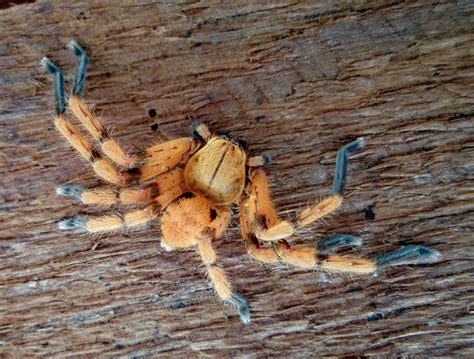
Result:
<point x="217" y="171"/>
<point x="185" y="219"/>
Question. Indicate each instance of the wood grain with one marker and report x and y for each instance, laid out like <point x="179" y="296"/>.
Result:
<point x="295" y="79"/>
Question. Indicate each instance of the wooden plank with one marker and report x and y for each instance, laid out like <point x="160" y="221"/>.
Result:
<point x="295" y="79"/>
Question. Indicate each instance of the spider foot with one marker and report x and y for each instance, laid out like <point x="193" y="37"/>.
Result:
<point x="54" y="70"/>
<point x="408" y="255"/>
<point x="242" y="307"/>
<point x="83" y="61"/>
<point x="72" y="190"/>
<point x="339" y="241"/>
<point x="72" y="223"/>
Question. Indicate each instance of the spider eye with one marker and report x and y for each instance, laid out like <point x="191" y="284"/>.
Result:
<point x="226" y="135"/>
<point x="188" y="195"/>
<point x="242" y="143"/>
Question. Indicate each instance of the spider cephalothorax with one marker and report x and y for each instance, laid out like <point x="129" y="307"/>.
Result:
<point x="192" y="182"/>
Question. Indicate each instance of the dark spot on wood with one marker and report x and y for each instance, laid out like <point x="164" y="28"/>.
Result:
<point x="369" y="213"/>
<point x="119" y="346"/>
<point x="259" y="118"/>
<point x="152" y="112"/>
<point x="154" y="127"/>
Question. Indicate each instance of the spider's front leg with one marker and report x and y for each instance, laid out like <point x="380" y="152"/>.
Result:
<point x="141" y="167"/>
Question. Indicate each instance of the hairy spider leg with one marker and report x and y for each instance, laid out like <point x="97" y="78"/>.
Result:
<point x="102" y="168"/>
<point x="124" y="196"/>
<point x="258" y="218"/>
<point x="157" y="159"/>
<point x="108" y="146"/>
<point x="193" y="221"/>
<point x="216" y="274"/>
<point x="267" y="226"/>
<point x="83" y="61"/>
<point x="334" y="201"/>
<point x="151" y="162"/>
<point x="130" y="220"/>
<point x="262" y="160"/>
<point x="162" y="158"/>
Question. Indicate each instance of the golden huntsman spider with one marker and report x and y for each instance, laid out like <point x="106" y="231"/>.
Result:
<point x="192" y="182"/>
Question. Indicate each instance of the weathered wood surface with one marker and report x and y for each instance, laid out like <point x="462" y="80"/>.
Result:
<point x="295" y="79"/>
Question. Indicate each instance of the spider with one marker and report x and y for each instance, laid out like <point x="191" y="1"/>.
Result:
<point x="192" y="182"/>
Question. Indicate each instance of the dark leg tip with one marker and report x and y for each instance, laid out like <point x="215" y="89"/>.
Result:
<point x="76" y="48"/>
<point x="73" y="223"/>
<point x="267" y="159"/>
<point x="341" y="163"/>
<point x="338" y="241"/>
<point x="408" y="255"/>
<point x="242" y="307"/>
<point x="72" y="190"/>
<point x="50" y="66"/>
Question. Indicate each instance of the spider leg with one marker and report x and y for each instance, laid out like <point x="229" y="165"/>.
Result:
<point x="130" y="220"/>
<point x="108" y="197"/>
<point x="308" y="257"/>
<point x="161" y="158"/>
<point x="258" y="214"/>
<point x="111" y="223"/>
<point x="339" y="241"/>
<point x="259" y="221"/>
<point x="151" y="162"/>
<point x="108" y="146"/>
<point x="72" y="135"/>
<point x="334" y="201"/>
<point x="217" y="275"/>
<point x="262" y="160"/>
